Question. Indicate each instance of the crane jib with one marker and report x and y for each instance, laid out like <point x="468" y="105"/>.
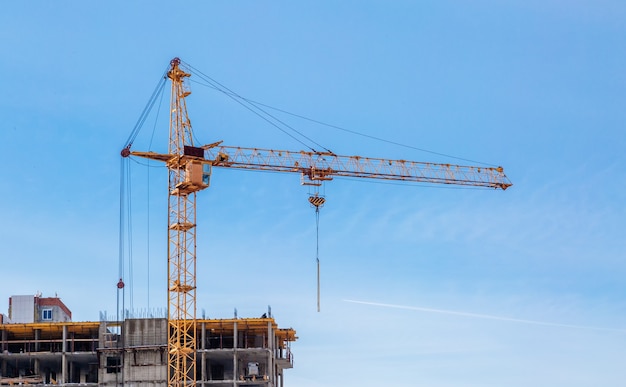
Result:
<point x="324" y="166"/>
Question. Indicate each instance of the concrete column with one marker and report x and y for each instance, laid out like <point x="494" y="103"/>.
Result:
<point x="235" y="363"/>
<point x="203" y="355"/>
<point x="71" y="372"/>
<point x="37" y="338"/>
<point x="37" y="349"/>
<point x="270" y="356"/>
<point x="3" y="347"/>
<point x="63" y="356"/>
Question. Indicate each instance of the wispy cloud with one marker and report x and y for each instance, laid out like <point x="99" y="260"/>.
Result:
<point x="484" y="316"/>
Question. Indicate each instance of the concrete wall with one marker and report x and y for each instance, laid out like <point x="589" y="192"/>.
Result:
<point x="22" y="309"/>
<point x="141" y="350"/>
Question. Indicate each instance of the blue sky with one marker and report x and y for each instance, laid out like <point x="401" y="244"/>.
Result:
<point x="454" y="285"/>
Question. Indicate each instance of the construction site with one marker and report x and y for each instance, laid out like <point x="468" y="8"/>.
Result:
<point x="40" y="344"/>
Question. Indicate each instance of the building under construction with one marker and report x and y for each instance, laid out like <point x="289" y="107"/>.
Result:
<point x="39" y="344"/>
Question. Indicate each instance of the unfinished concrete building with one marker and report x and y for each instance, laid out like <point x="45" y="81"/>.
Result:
<point x="230" y="352"/>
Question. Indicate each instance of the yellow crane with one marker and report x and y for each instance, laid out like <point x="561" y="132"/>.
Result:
<point x="189" y="168"/>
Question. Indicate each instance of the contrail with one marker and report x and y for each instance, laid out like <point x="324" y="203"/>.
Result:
<point x="484" y="316"/>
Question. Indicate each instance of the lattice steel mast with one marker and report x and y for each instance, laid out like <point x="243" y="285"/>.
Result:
<point x="181" y="249"/>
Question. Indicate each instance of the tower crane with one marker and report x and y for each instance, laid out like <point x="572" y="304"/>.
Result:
<point x="189" y="168"/>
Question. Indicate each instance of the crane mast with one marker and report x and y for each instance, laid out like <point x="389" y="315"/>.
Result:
<point x="181" y="248"/>
<point x="189" y="169"/>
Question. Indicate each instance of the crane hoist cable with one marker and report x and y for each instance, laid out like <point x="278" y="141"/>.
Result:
<point x="317" y="201"/>
<point x="129" y="231"/>
<point x="126" y="265"/>
<point x="125" y="196"/>
<point x="154" y="127"/>
<point x="120" y="282"/>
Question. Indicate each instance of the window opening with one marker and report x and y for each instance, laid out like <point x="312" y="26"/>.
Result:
<point x="46" y="314"/>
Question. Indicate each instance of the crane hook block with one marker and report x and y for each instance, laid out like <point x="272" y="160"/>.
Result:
<point x="317" y="201"/>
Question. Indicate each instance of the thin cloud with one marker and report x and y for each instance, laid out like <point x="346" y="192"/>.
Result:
<point x="484" y="316"/>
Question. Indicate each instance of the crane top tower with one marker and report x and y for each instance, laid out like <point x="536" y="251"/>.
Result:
<point x="189" y="168"/>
